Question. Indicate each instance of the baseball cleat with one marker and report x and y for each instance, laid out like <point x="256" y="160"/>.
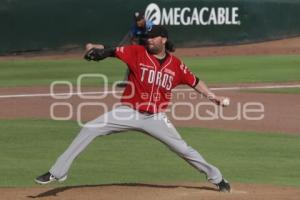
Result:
<point x="48" y="178"/>
<point x="224" y="186"/>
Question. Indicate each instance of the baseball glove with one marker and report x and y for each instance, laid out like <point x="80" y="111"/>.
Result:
<point x="95" y="54"/>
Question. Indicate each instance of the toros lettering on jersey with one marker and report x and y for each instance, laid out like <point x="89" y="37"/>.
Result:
<point x="158" y="78"/>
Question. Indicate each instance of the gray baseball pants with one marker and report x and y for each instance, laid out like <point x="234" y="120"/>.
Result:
<point x="124" y="118"/>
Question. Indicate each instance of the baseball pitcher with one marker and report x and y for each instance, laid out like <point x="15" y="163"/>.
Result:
<point x="154" y="72"/>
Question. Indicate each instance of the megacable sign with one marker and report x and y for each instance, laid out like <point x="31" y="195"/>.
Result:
<point x="186" y="16"/>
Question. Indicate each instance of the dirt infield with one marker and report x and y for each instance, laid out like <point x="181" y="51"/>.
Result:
<point x="173" y="191"/>
<point x="280" y="111"/>
<point x="281" y="115"/>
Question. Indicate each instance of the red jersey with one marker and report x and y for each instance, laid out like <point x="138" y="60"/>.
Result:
<point x="151" y="82"/>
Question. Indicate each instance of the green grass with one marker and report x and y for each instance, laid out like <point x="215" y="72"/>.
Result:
<point x="44" y="72"/>
<point x="29" y="147"/>
<point x="276" y="90"/>
<point x="249" y="69"/>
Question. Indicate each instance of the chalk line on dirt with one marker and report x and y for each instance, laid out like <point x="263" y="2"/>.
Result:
<point x="29" y="95"/>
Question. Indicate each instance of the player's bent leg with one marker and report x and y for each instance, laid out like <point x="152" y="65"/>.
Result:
<point x="165" y="132"/>
<point x="195" y="159"/>
<point x="101" y="126"/>
<point x="82" y="140"/>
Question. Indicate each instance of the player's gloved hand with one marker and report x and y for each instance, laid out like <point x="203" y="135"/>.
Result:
<point x="95" y="54"/>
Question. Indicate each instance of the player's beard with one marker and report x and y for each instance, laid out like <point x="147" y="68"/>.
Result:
<point x="152" y="49"/>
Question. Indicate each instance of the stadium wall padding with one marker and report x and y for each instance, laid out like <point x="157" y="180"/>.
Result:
<point x="35" y="25"/>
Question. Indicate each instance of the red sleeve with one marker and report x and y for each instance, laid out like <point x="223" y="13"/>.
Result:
<point x="127" y="54"/>
<point x="187" y="77"/>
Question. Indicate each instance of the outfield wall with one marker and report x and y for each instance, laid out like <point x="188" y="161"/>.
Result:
<point x="35" y="25"/>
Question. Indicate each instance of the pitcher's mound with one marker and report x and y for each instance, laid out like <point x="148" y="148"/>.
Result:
<point x="188" y="191"/>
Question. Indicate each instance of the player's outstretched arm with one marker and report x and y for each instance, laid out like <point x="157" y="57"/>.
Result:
<point x="97" y="52"/>
<point x="202" y="88"/>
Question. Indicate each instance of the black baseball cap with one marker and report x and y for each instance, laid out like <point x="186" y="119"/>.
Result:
<point x="157" y="30"/>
